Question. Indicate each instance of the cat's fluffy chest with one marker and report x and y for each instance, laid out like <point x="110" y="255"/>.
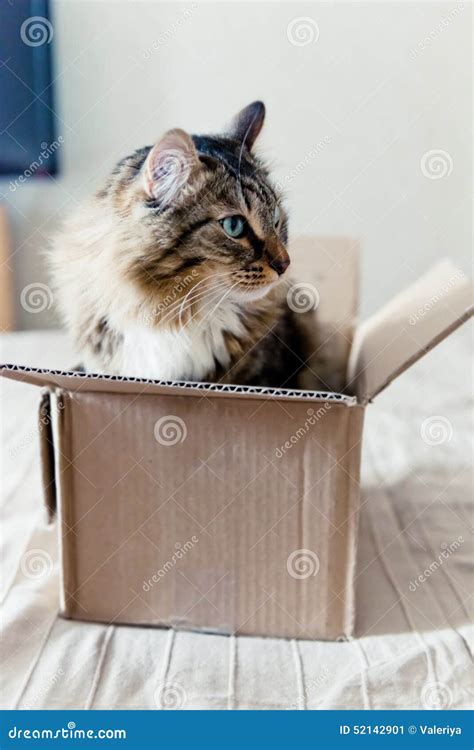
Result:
<point x="187" y="353"/>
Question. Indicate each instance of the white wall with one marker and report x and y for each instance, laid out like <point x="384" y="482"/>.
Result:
<point x="350" y="116"/>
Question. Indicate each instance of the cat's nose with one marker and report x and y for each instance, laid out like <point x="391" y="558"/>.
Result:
<point x="279" y="265"/>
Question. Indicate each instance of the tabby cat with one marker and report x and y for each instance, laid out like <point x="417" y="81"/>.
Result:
<point x="174" y="269"/>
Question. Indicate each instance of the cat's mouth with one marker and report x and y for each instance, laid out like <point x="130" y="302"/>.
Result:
<point x="247" y="291"/>
<point x="249" y="294"/>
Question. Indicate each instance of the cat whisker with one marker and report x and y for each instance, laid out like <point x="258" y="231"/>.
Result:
<point x="204" y="299"/>
<point x="177" y="314"/>
<point x="208" y="278"/>
<point x="226" y="294"/>
<point x="175" y="306"/>
<point x="202" y="296"/>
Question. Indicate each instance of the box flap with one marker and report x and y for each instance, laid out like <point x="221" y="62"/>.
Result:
<point x="407" y="327"/>
<point x="326" y="272"/>
<point x="90" y="382"/>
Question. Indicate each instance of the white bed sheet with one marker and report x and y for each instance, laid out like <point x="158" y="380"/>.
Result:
<point x="413" y="647"/>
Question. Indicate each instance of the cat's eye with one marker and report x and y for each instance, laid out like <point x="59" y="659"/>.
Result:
<point x="234" y="226"/>
<point x="276" y="216"/>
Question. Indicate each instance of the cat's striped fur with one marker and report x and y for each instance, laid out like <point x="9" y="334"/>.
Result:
<point x="151" y="285"/>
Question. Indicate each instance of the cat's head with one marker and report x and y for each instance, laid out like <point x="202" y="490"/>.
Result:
<point x="203" y="208"/>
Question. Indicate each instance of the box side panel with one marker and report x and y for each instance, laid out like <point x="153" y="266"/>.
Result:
<point x="349" y="517"/>
<point x="228" y="516"/>
<point x="330" y="524"/>
<point x="45" y="432"/>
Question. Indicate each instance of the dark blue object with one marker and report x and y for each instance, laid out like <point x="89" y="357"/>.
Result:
<point x="28" y="143"/>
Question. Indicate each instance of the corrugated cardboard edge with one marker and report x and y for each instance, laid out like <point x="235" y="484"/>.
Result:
<point x="61" y="435"/>
<point x="93" y="382"/>
<point x="45" y="430"/>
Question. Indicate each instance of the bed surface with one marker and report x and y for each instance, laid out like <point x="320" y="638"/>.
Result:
<point x="414" y="639"/>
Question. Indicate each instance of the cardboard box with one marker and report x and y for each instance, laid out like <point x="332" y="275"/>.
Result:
<point x="226" y="508"/>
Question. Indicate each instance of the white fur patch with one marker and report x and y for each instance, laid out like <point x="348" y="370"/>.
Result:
<point x="186" y="354"/>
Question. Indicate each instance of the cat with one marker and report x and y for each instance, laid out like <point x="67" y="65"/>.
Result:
<point x="175" y="269"/>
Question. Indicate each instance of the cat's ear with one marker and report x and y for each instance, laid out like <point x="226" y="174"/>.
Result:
<point x="248" y="123"/>
<point x="169" y="166"/>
